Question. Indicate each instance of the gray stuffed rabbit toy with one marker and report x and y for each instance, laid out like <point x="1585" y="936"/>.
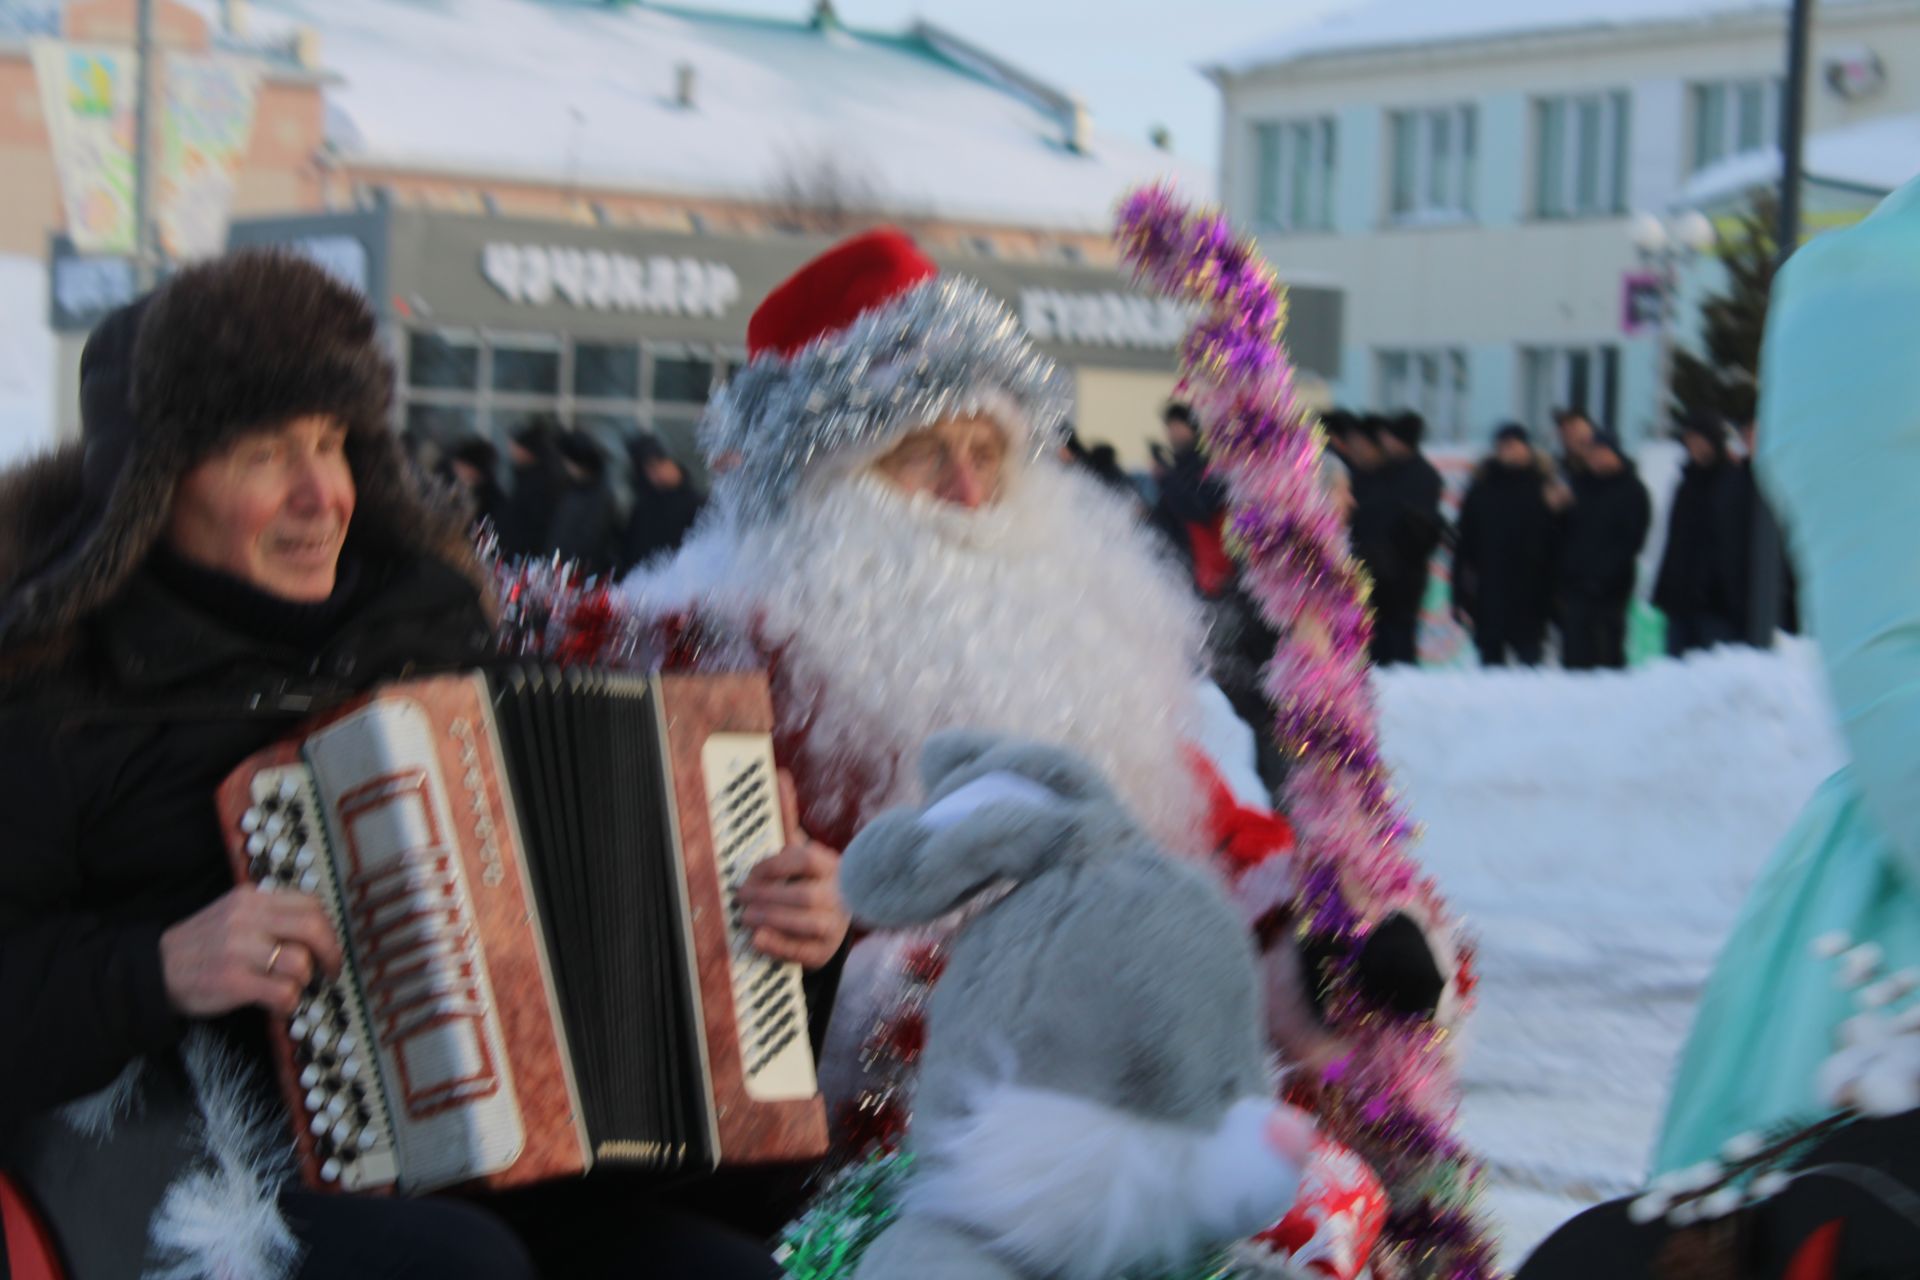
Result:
<point x="1094" y="1095"/>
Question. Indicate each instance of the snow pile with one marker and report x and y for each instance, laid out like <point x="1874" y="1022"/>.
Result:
<point x="589" y="94"/>
<point x="26" y="359"/>
<point x="1877" y="155"/>
<point x="1599" y="833"/>
<point x="1387" y="24"/>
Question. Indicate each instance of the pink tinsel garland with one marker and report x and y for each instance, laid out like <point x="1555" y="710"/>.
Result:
<point x="1393" y="1095"/>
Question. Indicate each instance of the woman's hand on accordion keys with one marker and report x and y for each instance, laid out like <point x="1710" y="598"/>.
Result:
<point x="247" y="947"/>
<point x="792" y="900"/>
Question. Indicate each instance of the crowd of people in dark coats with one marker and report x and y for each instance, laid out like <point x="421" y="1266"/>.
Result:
<point x="564" y="499"/>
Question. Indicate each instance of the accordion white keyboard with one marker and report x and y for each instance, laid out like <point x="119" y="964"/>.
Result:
<point x="332" y="1045"/>
<point x="770" y="1005"/>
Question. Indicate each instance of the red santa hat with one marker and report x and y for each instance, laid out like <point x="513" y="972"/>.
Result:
<point x="864" y="345"/>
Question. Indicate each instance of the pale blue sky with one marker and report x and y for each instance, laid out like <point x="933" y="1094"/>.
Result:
<point x="1133" y="61"/>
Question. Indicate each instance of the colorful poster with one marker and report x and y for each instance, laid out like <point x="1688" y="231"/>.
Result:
<point x="87" y="95"/>
<point x="205" y="127"/>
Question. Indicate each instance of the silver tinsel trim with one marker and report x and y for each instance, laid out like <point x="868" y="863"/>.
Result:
<point x="943" y="349"/>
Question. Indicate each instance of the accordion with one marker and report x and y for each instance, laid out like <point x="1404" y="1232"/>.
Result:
<point x="533" y="873"/>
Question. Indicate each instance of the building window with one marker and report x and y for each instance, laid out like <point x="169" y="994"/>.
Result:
<point x="469" y="382"/>
<point x="1293" y="173"/>
<point x="1734" y="117"/>
<point x="1430" y="381"/>
<point x="1583" y="378"/>
<point x="1434" y="154"/>
<point x="1580" y="156"/>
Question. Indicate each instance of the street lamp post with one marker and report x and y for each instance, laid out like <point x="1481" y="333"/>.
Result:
<point x="1665" y="248"/>
<point x="1769" y="585"/>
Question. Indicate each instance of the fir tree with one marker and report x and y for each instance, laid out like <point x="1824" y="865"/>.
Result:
<point x="1724" y="382"/>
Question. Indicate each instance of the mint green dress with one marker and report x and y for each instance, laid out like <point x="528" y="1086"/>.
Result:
<point x="1839" y="453"/>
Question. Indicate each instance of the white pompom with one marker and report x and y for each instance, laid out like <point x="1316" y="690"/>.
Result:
<point x="1889" y="1088"/>
<point x="1865" y="1031"/>
<point x="1769" y="1185"/>
<point x="1742" y="1146"/>
<point x="1700" y="1176"/>
<point x="1725" y="1201"/>
<point x="1860" y="964"/>
<point x="1649" y="1208"/>
<point x="1829" y="945"/>
<point x="1839" y="1074"/>
<point x="1685" y="1215"/>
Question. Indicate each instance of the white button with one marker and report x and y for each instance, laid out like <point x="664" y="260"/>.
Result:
<point x="330" y="1171"/>
<point x="350" y="1069"/>
<point x="367" y="1139"/>
<point x="288" y="789"/>
<point x="299" y="1028"/>
<point x="322" y="1037"/>
<point x="276" y="824"/>
<point x="337" y="1106"/>
<point x="322" y="1123"/>
<point x="310" y="881"/>
<point x="255" y="843"/>
<point x="304" y="858"/>
<point x="316" y="1098"/>
<point x="309" y="1078"/>
<point x="250" y="821"/>
<point x="348" y="1044"/>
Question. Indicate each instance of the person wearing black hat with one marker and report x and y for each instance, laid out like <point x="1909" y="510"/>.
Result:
<point x="525" y="524"/>
<point x="585" y="526"/>
<point x="235" y="545"/>
<point x="1503" y="560"/>
<point x="1606" y="527"/>
<point x="1191" y="510"/>
<point x="472" y="466"/>
<point x="1399" y="518"/>
<point x="665" y="503"/>
<point x="1703" y="571"/>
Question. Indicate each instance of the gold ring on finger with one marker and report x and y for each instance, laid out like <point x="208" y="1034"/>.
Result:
<point x="274" y="959"/>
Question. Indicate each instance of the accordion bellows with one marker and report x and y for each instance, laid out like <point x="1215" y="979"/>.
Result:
<point x="533" y="873"/>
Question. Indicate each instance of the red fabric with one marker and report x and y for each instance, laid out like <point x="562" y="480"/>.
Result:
<point x="1242" y="834"/>
<point x="837" y="288"/>
<point x="29" y="1245"/>
<point x="1336" y="1219"/>
<point x="1213" y="568"/>
<point x="1818" y="1254"/>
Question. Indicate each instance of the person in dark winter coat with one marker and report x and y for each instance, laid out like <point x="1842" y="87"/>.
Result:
<point x="1606" y="528"/>
<point x="586" y="527"/>
<point x="1702" y="587"/>
<point x="1506" y="553"/>
<point x="525" y="525"/>
<point x="665" y="503"/>
<point x="1191" y="510"/>
<point x="472" y="466"/>
<point x="1399" y="513"/>
<point x="235" y="545"/>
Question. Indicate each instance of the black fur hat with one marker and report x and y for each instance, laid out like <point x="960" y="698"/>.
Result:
<point x="244" y="342"/>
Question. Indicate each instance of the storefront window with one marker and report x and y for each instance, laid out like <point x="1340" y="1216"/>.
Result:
<point x="681" y="379"/>
<point x="442" y="423"/>
<point x="606" y="372"/>
<point x="529" y="366"/>
<point x="443" y="361"/>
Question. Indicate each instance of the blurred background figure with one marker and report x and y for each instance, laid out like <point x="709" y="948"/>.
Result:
<point x="1506" y="552"/>
<point x="1191" y="509"/>
<point x="1702" y="587"/>
<point x="585" y="526"/>
<point x="1606" y="527"/>
<point x="1397" y="527"/>
<point x="473" y="465"/>
<point x="665" y="503"/>
<point x="538" y="476"/>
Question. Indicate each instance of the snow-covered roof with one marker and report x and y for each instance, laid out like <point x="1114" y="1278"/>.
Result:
<point x="1876" y="156"/>
<point x="1372" y="25"/>
<point x="584" y="91"/>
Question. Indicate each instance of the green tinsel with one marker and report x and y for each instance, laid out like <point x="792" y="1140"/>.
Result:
<point x="857" y="1204"/>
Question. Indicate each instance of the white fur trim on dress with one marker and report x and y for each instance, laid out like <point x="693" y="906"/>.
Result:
<point x="96" y="1115"/>
<point x="221" y="1220"/>
<point x="1068" y="1188"/>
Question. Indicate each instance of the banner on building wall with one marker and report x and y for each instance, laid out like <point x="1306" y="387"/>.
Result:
<point x="87" y="94"/>
<point x="205" y="126"/>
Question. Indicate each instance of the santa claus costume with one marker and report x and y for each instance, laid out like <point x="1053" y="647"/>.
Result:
<point x="884" y="617"/>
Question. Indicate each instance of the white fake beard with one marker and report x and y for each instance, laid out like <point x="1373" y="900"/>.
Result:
<point x="1050" y="615"/>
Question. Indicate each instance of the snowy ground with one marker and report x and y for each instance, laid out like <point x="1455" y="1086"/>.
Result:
<point x="1599" y="833"/>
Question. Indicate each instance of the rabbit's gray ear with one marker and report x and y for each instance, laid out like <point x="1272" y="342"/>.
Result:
<point x="951" y="750"/>
<point x="909" y="868"/>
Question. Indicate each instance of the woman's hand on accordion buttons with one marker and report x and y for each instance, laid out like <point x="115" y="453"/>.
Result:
<point x="792" y="900"/>
<point x="247" y="948"/>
